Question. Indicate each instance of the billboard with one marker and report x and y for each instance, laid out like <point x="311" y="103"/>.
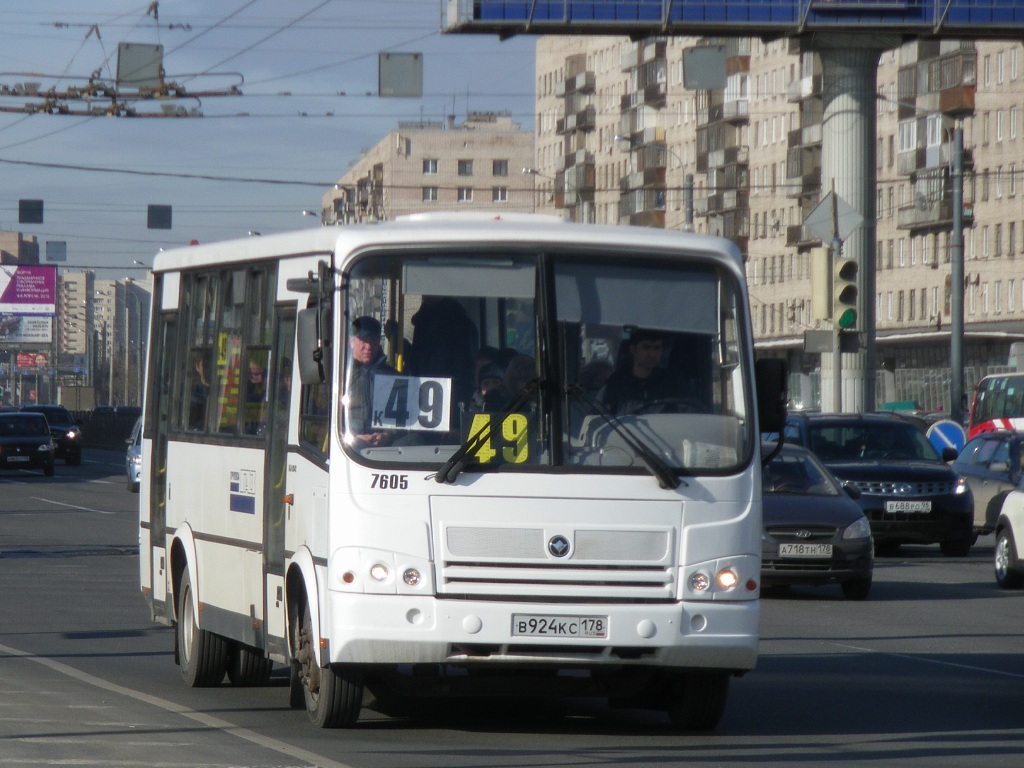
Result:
<point x="26" y="329"/>
<point x="1001" y="19"/>
<point x="28" y="289"/>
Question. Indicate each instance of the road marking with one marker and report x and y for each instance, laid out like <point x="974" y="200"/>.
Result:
<point x="73" y="506"/>
<point x="954" y="665"/>
<point x="209" y="721"/>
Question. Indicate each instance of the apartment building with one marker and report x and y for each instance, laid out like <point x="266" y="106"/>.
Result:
<point x="433" y="166"/>
<point x="622" y="139"/>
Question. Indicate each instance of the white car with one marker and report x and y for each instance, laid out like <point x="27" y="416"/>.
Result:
<point x="1007" y="562"/>
<point x="133" y="458"/>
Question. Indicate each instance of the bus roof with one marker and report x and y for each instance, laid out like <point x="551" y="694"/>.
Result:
<point x="476" y="227"/>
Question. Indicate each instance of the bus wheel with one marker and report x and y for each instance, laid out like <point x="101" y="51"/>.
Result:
<point x="699" y="700"/>
<point x="334" y="695"/>
<point x="247" y="667"/>
<point x="202" y="655"/>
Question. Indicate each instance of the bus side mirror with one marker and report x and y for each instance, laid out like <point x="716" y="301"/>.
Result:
<point x="770" y="383"/>
<point x="312" y="349"/>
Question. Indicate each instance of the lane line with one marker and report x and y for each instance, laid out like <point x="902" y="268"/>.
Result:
<point x="952" y="664"/>
<point x="209" y="721"/>
<point x="72" y="506"/>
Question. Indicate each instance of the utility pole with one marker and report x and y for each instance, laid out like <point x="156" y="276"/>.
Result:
<point x="956" y="246"/>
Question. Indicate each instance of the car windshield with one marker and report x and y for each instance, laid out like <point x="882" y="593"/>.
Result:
<point x="890" y="441"/>
<point x="611" y="361"/>
<point x="797" y="474"/>
<point x="23" y="426"/>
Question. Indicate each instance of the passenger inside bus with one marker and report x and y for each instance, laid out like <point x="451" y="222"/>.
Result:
<point x="444" y="345"/>
<point x="640" y="379"/>
<point x="255" y="397"/>
<point x="367" y="361"/>
<point x="199" y="391"/>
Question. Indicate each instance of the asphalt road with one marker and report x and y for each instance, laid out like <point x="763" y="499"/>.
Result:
<point x="927" y="672"/>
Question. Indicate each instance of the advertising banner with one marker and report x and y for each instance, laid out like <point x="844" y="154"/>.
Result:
<point x="26" y="329"/>
<point x="28" y="289"/>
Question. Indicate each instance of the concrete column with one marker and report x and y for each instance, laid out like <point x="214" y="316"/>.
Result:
<point x="848" y="139"/>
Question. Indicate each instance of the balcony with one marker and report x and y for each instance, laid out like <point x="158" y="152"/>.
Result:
<point x="736" y="110"/>
<point x="925" y="215"/>
<point x="957" y="101"/>
<point x="798" y="235"/>
<point x="804" y="88"/>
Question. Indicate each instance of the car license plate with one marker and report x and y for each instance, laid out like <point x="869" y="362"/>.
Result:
<point x="539" y="625"/>
<point x="908" y="506"/>
<point x="805" y="550"/>
<point x="14" y="459"/>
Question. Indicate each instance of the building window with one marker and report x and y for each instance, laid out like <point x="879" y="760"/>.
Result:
<point x="465" y="167"/>
<point x="499" y="194"/>
<point x="430" y="194"/>
<point x="465" y="195"/>
<point x="429" y="167"/>
<point x="912" y="305"/>
<point x="499" y="167"/>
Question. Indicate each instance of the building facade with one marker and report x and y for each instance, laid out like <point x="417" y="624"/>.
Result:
<point x="480" y="164"/>
<point x="624" y="138"/>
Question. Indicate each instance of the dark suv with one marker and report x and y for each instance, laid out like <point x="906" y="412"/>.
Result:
<point x="907" y="491"/>
<point x="65" y="430"/>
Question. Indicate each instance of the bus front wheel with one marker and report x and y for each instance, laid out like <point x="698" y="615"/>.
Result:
<point x="333" y="694"/>
<point x="698" y="700"/>
<point x="202" y="655"/>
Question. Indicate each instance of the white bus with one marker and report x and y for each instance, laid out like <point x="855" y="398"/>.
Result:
<point x="327" y="486"/>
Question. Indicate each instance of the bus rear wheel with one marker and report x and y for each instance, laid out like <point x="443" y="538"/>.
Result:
<point x="202" y="655"/>
<point x="698" y="700"/>
<point x="333" y="694"/>
<point x="247" y="667"/>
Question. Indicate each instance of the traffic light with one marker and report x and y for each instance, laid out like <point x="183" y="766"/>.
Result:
<point x="844" y="292"/>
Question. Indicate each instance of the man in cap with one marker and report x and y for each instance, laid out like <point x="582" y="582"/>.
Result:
<point x="367" y="360"/>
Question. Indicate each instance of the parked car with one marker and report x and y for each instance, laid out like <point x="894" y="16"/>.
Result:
<point x="993" y="465"/>
<point x="26" y="442"/>
<point x="908" y="492"/>
<point x="1007" y="562"/>
<point x="814" y="532"/>
<point x="67" y="434"/>
<point x="133" y="457"/>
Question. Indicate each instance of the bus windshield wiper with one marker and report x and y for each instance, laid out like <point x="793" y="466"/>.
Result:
<point x="458" y="461"/>
<point x="666" y="477"/>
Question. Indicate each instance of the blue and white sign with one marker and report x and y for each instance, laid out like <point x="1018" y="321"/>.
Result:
<point x="946" y="434"/>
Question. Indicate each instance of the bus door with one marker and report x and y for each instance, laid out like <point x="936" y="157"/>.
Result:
<point x="274" y="507"/>
<point x="158" y="403"/>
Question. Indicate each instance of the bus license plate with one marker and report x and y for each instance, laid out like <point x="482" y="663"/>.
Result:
<point x="805" y="550"/>
<point x="536" y="625"/>
<point x="908" y="506"/>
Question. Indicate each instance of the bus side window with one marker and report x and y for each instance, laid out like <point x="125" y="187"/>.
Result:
<point x="314" y="417"/>
<point x="199" y="389"/>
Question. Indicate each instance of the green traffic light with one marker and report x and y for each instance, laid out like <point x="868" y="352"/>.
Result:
<point x="847" y="319"/>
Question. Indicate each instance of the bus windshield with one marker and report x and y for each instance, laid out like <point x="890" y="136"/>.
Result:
<point x="527" y="360"/>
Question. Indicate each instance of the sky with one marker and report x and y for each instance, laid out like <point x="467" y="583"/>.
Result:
<point x="307" y="72"/>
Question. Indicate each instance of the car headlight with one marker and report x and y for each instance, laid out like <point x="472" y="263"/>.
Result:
<point x="72" y="434"/>
<point x="961" y="485"/>
<point x="45" y="447"/>
<point x="858" y="530"/>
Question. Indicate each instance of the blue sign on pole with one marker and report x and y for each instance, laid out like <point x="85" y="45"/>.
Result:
<point x="946" y="434"/>
<point x="1001" y="19"/>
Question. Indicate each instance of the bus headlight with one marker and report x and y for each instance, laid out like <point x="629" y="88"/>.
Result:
<point x="379" y="572"/>
<point x="727" y="578"/>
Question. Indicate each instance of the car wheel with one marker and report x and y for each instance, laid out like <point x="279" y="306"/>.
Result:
<point x="48" y="469"/>
<point x="886" y="548"/>
<point x="1005" y="560"/>
<point x="956" y="547"/>
<point x="856" y="589"/>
